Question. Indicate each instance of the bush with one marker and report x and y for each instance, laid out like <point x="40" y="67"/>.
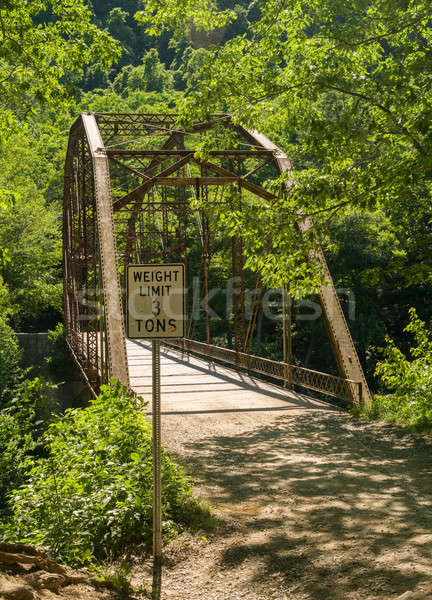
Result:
<point x="409" y="380"/>
<point x="91" y="497"/>
<point x="60" y="362"/>
<point x="14" y="446"/>
<point x="33" y="404"/>
<point x="22" y="424"/>
<point x="10" y="355"/>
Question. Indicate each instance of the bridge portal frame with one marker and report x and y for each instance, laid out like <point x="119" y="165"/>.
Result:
<point x="93" y="303"/>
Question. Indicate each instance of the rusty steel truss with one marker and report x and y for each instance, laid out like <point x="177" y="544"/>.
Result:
<point x="135" y="188"/>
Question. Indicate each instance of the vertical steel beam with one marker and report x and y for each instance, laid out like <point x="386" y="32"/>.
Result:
<point x="286" y="334"/>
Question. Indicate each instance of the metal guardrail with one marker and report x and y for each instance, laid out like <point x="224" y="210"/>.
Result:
<point x="291" y="375"/>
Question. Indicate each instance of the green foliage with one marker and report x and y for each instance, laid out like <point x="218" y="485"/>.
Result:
<point x="43" y="44"/>
<point x="367" y="257"/>
<point x="188" y="73"/>
<point x="345" y="88"/>
<point x="365" y="247"/>
<point x="31" y="252"/>
<point x="137" y="101"/>
<point x="60" y="363"/>
<point x="10" y="355"/>
<point x="22" y="423"/>
<point x="34" y="404"/>
<point x="226" y="22"/>
<point x="175" y="16"/>
<point x="95" y="78"/>
<point x="314" y="79"/>
<point x="5" y="300"/>
<point x="14" y="447"/>
<point x="10" y="352"/>
<point x="120" y="30"/>
<point x="409" y="380"/>
<point x="31" y="189"/>
<point x="117" y="577"/>
<point x="91" y="497"/>
<point x="150" y="76"/>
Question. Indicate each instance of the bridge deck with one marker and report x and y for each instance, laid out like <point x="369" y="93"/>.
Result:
<point x="192" y="385"/>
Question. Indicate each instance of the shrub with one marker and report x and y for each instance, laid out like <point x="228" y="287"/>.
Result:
<point x="22" y="424"/>
<point x="60" y="363"/>
<point x="14" y="446"/>
<point x="91" y="497"/>
<point x="33" y="403"/>
<point x="408" y="380"/>
<point x="10" y="355"/>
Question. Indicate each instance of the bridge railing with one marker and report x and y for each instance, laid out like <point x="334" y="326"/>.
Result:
<point x="291" y="375"/>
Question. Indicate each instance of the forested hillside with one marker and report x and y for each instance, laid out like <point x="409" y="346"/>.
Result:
<point x="378" y="245"/>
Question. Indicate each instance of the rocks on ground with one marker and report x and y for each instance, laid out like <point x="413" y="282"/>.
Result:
<point x="28" y="573"/>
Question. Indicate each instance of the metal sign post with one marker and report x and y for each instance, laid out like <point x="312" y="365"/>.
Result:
<point x="157" y="472"/>
<point x="155" y="311"/>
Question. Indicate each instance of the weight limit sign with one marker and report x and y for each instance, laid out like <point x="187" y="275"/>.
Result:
<point x="155" y="301"/>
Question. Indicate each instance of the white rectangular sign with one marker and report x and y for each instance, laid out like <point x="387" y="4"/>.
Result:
<point x="155" y="301"/>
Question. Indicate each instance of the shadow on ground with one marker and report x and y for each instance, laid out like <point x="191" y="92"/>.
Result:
<point x="325" y="506"/>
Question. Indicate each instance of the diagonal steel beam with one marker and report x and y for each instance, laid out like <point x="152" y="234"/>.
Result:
<point x="139" y="191"/>
<point x="129" y="168"/>
<point x="255" y="189"/>
<point x="156" y="160"/>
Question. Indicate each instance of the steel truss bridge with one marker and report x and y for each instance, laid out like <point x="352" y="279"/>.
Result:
<point x="136" y="191"/>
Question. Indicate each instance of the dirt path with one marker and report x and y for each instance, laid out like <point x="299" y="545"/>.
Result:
<point x="312" y="506"/>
